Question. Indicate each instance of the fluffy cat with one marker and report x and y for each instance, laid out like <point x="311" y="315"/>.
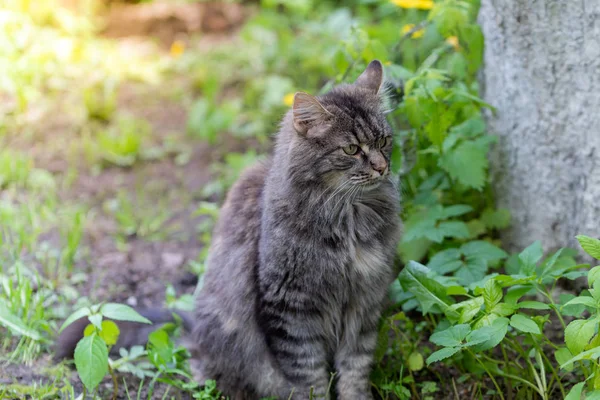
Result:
<point x="302" y="255"/>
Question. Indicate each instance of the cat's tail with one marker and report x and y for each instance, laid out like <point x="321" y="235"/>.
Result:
<point x="131" y="333"/>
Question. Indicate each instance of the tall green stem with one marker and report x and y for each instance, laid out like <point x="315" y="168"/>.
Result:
<point x="489" y="373"/>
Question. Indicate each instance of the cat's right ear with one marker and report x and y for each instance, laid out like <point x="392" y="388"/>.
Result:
<point x="307" y="112"/>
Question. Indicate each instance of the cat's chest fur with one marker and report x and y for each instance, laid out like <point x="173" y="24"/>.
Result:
<point x="368" y="260"/>
<point x="370" y="233"/>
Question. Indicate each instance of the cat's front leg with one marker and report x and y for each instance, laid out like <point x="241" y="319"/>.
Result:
<point x="305" y="368"/>
<point x="354" y="361"/>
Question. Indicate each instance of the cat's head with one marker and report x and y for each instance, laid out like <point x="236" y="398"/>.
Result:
<point x="343" y="138"/>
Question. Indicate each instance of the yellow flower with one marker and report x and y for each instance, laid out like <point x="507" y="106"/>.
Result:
<point x="419" y="4"/>
<point x="288" y="99"/>
<point x="416" y="34"/>
<point x="453" y="41"/>
<point x="177" y="48"/>
<point x="387" y="63"/>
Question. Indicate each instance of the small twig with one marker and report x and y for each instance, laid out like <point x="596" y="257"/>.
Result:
<point x="455" y="390"/>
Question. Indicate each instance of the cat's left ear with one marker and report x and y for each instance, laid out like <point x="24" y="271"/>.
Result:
<point x="372" y="77"/>
<point x="307" y="112"/>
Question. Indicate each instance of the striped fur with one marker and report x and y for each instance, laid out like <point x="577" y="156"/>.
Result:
<point x="302" y="256"/>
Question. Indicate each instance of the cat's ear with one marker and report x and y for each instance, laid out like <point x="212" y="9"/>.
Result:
<point x="372" y="77"/>
<point x="307" y="111"/>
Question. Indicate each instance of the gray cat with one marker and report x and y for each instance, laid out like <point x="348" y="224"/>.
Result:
<point x="302" y="256"/>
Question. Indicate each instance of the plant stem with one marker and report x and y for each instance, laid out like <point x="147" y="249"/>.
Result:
<point x="506" y="362"/>
<point x="488" y="372"/>
<point x="548" y="295"/>
<point x="523" y="381"/>
<point x="554" y="373"/>
<point x="115" y="383"/>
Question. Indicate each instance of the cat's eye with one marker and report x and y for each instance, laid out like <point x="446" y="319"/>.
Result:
<point x="384" y="141"/>
<point x="351" y="149"/>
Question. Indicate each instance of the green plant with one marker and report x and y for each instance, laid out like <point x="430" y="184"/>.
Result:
<point x="581" y="335"/>
<point x="91" y="353"/>
<point x="493" y="316"/>
<point x="122" y="144"/>
<point x="14" y="168"/>
<point x="100" y="100"/>
<point x="136" y="215"/>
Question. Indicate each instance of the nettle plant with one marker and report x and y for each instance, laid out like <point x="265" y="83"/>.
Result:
<point x="161" y="361"/>
<point x="91" y="354"/>
<point x="581" y="335"/>
<point x="505" y="325"/>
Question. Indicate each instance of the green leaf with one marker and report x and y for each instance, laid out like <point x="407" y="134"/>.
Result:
<point x="478" y="337"/>
<point x="533" y="305"/>
<point x="548" y="265"/>
<point x="455" y="210"/>
<point x="89" y="330"/>
<point x="414" y="250"/>
<point x="472" y="127"/>
<point x="514" y="293"/>
<point x="529" y="257"/>
<point x="504" y="309"/>
<point x="585" y="300"/>
<point x="445" y="261"/>
<point x="456" y="291"/>
<point x="579" y="333"/>
<point x="430" y="293"/>
<point x="486" y="320"/>
<point x="590" y="354"/>
<point x="492" y="294"/>
<point x="593" y="275"/>
<point x="496" y="331"/>
<point x="121" y="312"/>
<point x="575" y="392"/>
<point x="473" y="38"/>
<point x="595" y="291"/>
<point x="590" y="245"/>
<point x="570" y="311"/>
<point x="442" y="354"/>
<point x="476" y="228"/>
<point x="110" y="332"/>
<point x="82" y="312"/>
<point x="467" y="164"/>
<point x="452" y="336"/>
<point x="524" y="324"/>
<point x="594" y="395"/>
<point x="96" y="320"/>
<point x="484" y="250"/>
<point x="16" y="325"/>
<point x="468" y="309"/>
<point x="415" y="361"/>
<point x="496" y="219"/>
<point x="563" y="355"/>
<point x="160" y="347"/>
<point x="453" y="229"/>
<point x="91" y="360"/>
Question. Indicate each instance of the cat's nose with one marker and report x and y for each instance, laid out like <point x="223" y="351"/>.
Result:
<point x="379" y="167"/>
